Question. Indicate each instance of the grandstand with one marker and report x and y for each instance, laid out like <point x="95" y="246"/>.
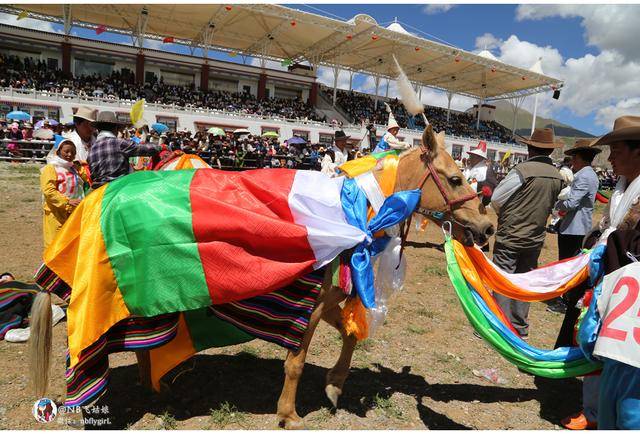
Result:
<point x="51" y="74"/>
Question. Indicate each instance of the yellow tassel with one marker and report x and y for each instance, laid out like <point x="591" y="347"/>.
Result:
<point x="354" y="318"/>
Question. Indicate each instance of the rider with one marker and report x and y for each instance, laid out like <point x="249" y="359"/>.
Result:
<point x="480" y="176"/>
<point x="336" y="156"/>
<point x="389" y="139"/>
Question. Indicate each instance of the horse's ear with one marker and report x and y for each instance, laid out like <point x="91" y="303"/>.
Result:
<point x="429" y="143"/>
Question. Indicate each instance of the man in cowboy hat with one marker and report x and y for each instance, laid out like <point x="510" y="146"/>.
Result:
<point x="82" y="136"/>
<point x="524" y="200"/>
<point x="336" y="156"/>
<point x="389" y="139"/>
<point x="109" y="155"/>
<point x="618" y="392"/>
<point x="479" y="175"/>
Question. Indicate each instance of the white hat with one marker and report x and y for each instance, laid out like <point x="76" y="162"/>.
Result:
<point x="392" y="120"/>
<point x="480" y="150"/>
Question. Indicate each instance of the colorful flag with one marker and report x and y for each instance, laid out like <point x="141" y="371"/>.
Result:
<point x="22" y="15"/>
<point x="167" y="40"/>
<point x="506" y="157"/>
<point x="101" y="29"/>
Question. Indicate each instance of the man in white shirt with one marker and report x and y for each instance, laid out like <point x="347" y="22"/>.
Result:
<point x="82" y="136"/>
<point x="336" y="156"/>
<point x="479" y="175"/>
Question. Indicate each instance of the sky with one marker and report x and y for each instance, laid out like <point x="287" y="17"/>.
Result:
<point x="593" y="48"/>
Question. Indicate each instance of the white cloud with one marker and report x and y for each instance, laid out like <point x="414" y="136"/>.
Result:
<point x="154" y="44"/>
<point x="325" y="76"/>
<point x="437" y="8"/>
<point x="487" y="42"/>
<point x="608" y="27"/>
<point x="270" y="64"/>
<point x="606" y="115"/>
<point x="593" y="83"/>
<point x="28" y="23"/>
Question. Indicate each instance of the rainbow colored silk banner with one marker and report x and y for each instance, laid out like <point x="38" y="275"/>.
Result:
<point x="472" y="286"/>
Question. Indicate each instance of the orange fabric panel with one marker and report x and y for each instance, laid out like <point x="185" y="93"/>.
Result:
<point x="170" y="355"/>
<point x="94" y="287"/>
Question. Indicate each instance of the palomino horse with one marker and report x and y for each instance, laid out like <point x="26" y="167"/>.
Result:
<point x="444" y="190"/>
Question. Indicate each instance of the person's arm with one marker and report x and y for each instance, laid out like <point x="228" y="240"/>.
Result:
<point x="54" y="199"/>
<point x="132" y="149"/>
<point x="394" y="143"/>
<point x="579" y="189"/>
<point x="509" y="185"/>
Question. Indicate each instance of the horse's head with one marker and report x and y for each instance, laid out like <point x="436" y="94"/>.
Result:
<point x="444" y="189"/>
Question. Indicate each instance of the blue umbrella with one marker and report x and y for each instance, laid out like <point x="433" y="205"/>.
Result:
<point x="19" y="116"/>
<point x="295" y="140"/>
<point x="160" y="128"/>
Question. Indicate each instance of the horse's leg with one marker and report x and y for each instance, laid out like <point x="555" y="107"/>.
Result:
<point x="340" y="371"/>
<point x="294" y="364"/>
<point x="144" y="368"/>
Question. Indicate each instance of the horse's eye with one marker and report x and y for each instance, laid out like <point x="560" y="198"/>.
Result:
<point x="455" y="180"/>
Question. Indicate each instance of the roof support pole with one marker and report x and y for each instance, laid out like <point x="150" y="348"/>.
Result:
<point x="66" y="13"/>
<point x="420" y="93"/>
<point x="535" y="113"/>
<point x="336" y="72"/>
<point x="480" y="101"/>
<point x="141" y="27"/>
<point x="377" y="81"/>
<point x="351" y="81"/>
<point x="516" y="108"/>
<point x="449" y="98"/>
<point x="386" y="93"/>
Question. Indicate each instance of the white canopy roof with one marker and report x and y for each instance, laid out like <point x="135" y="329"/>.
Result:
<point x="280" y="33"/>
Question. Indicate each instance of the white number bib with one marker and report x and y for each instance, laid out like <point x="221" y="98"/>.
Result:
<point x="619" y="308"/>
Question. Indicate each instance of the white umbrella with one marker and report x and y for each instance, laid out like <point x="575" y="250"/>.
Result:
<point x="241" y="131"/>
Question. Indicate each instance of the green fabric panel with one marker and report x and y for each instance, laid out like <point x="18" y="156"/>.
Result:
<point x="208" y="331"/>
<point x="493" y="338"/>
<point x="147" y="230"/>
<point x="383" y="154"/>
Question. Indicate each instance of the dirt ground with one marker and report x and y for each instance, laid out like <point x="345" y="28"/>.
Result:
<point x="415" y="373"/>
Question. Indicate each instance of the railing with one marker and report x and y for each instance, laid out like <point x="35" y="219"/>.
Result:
<point x="30" y="150"/>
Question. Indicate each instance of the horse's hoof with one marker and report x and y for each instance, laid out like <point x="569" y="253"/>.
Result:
<point x="291" y="423"/>
<point x="333" y="393"/>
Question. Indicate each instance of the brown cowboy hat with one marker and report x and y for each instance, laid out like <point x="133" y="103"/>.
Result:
<point x="624" y="128"/>
<point x="542" y="138"/>
<point x="583" y="145"/>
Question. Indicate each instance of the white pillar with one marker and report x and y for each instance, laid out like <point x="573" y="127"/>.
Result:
<point x="377" y="79"/>
<point x="351" y="80"/>
<point x="336" y="72"/>
<point x="449" y="97"/>
<point x="478" y="119"/>
<point x="420" y="93"/>
<point x="386" y="93"/>
<point x="535" y="113"/>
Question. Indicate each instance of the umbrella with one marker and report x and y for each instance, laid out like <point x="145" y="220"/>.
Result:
<point x="40" y="124"/>
<point x="18" y="116"/>
<point x="216" y="131"/>
<point x="241" y="131"/>
<point x="43" y="134"/>
<point x="295" y="140"/>
<point x="270" y="134"/>
<point x="160" y="128"/>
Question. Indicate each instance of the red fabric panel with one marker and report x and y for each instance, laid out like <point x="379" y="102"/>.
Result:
<point x="246" y="237"/>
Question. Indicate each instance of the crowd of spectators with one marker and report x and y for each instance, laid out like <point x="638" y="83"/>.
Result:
<point x="35" y="74"/>
<point x="362" y="108"/>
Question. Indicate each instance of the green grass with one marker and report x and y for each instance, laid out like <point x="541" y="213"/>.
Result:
<point x="387" y="407"/>
<point x="435" y="270"/>
<point x="416" y="329"/>
<point x="425" y="313"/>
<point x="227" y="414"/>
<point x="168" y="421"/>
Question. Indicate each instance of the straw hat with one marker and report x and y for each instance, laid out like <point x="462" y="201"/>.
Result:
<point x="583" y="145"/>
<point x="108" y="119"/>
<point x="624" y="128"/>
<point x="542" y="138"/>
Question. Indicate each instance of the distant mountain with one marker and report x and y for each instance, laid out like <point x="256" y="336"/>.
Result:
<point x="504" y="116"/>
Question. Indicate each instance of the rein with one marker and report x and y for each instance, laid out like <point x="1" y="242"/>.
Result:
<point x="435" y="215"/>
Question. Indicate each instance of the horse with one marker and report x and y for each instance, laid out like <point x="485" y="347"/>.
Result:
<point x="446" y="195"/>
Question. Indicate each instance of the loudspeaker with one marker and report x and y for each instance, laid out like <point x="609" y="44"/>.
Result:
<point x="556" y="94"/>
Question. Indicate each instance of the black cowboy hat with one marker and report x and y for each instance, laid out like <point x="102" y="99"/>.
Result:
<point x="340" y="135"/>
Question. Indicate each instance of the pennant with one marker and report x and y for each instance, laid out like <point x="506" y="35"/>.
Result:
<point x="101" y="29"/>
<point x="286" y="62"/>
<point x="482" y="146"/>
<point x="232" y="54"/>
<point x="167" y="40"/>
<point x="506" y="157"/>
<point x="22" y="15"/>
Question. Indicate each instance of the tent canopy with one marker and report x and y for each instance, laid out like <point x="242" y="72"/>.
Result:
<point x="279" y="33"/>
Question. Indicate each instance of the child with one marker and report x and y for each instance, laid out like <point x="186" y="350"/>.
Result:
<point x="62" y="184"/>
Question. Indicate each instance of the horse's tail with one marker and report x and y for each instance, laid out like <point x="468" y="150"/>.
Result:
<point x="40" y="343"/>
